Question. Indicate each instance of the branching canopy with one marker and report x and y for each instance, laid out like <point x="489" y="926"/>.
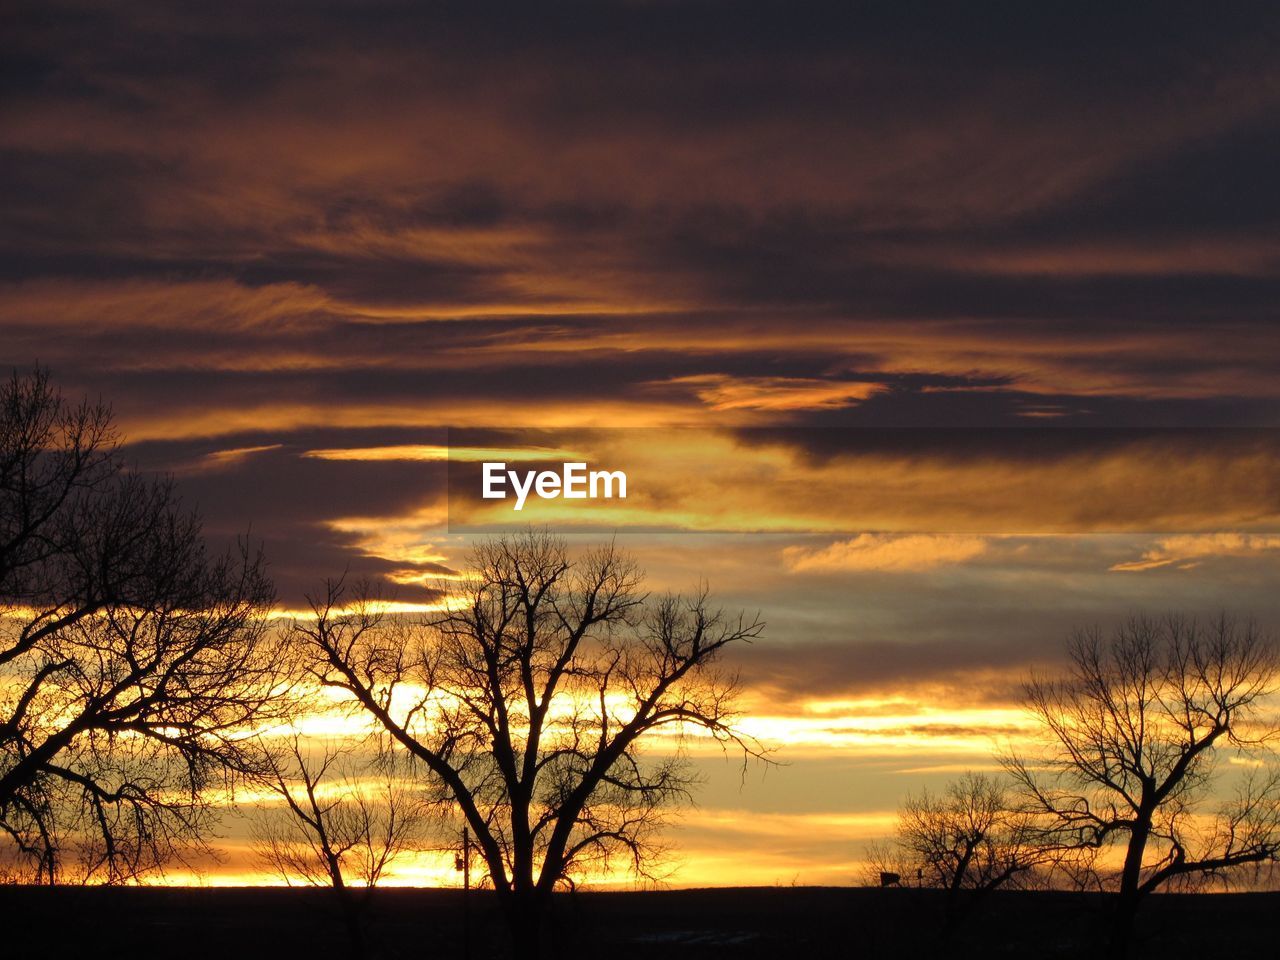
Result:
<point x="530" y="698"/>
<point x="1133" y="738"/>
<point x="131" y="663"/>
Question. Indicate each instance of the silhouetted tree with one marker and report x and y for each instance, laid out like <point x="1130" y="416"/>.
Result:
<point x="131" y="661"/>
<point x="1132" y="734"/>
<point x="967" y="840"/>
<point x="529" y="701"/>
<point x="338" y="824"/>
<point x="969" y="837"/>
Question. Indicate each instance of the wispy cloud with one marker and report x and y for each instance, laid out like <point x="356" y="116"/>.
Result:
<point x="1187" y="551"/>
<point x="438" y="452"/>
<point x="909" y="553"/>
<point x="722" y="392"/>
<point x="218" y="460"/>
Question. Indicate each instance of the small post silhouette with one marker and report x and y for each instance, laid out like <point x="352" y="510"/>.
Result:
<point x="463" y="863"/>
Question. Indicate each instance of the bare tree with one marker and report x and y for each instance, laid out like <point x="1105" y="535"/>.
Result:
<point x="1132" y="734"/>
<point x="969" y="837"/>
<point x="131" y="662"/>
<point x="530" y="701"/>
<point x="338" y="824"/>
<point x="968" y="840"/>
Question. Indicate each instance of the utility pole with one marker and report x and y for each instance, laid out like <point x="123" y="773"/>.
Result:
<point x="463" y="863"/>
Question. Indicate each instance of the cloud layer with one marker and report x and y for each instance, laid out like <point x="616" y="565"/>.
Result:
<point x="295" y="243"/>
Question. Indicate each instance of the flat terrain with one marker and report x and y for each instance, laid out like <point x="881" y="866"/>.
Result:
<point x="189" y="924"/>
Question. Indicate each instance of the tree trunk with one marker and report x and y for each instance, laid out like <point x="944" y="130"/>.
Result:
<point x="953" y="909"/>
<point x="1127" y="899"/>
<point x="524" y="921"/>
<point x="355" y="928"/>
<point x="1122" y="928"/>
<point x="352" y="918"/>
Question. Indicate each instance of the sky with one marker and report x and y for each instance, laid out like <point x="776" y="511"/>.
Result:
<point x="933" y="328"/>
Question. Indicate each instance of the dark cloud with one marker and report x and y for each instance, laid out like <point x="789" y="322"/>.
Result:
<point x="318" y="225"/>
<point x="971" y="637"/>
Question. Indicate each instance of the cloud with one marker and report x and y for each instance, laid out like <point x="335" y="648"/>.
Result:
<point x="401" y="451"/>
<point x="218" y="460"/>
<point x="341" y="233"/>
<point x="722" y="392"/>
<point x="887" y="553"/>
<point x="1188" y="550"/>
<point x="742" y="217"/>
<point x="437" y="452"/>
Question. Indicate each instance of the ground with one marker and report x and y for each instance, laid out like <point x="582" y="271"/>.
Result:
<point x="724" y="923"/>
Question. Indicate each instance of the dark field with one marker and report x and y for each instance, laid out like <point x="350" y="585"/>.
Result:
<point x="753" y="922"/>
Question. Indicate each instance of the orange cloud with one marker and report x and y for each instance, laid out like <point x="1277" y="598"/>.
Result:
<point x="908" y="553"/>
<point x="437" y="452"/>
<point x="223" y="459"/>
<point x="1188" y="550"/>
<point x="722" y="392"/>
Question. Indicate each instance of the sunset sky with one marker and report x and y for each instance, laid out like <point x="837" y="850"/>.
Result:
<point x="299" y="248"/>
